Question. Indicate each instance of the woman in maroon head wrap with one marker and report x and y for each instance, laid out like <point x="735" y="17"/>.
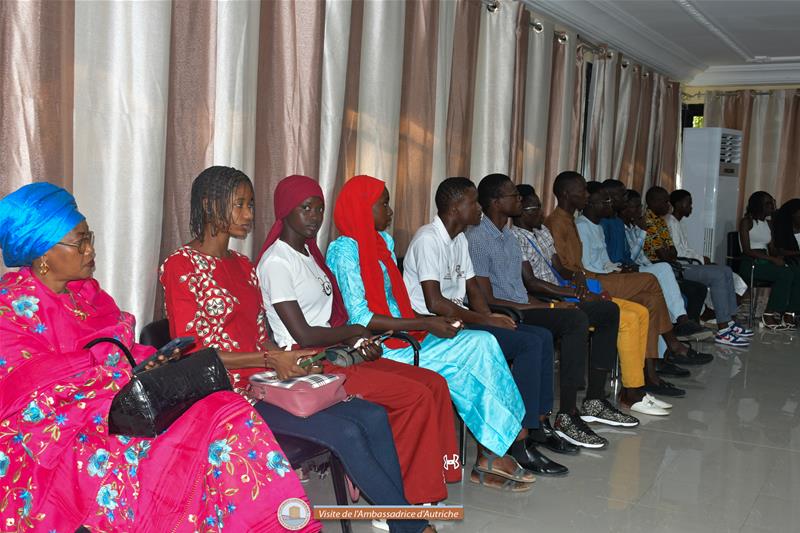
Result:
<point x="305" y="308"/>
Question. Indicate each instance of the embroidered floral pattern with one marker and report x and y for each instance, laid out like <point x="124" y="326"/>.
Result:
<point x="25" y="305"/>
<point x="65" y="419"/>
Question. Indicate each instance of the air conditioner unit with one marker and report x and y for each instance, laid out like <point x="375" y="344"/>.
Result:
<point x="710" y="172"/>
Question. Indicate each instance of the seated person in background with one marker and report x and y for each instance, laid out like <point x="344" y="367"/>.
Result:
<point x="548" y="277"/>
<point x="786" y="230"/>
<point x="761" y="255"/>
<point x="656" y="228"/>
<point x="500" y="273"/>
<point x="439" y="277"/>
<point x="305" y="308"/>
<point x="720" y="279"/>
<point x="212" y="294"/>
<point x="481" y="385"/>
<point x="570" y="190"/>
<point x="59" y="465"/>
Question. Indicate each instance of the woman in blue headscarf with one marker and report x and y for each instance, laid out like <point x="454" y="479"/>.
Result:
<point x="59" y="467"/>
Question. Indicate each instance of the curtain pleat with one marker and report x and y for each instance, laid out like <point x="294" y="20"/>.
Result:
<point x="36" y="93"/>
<point x="121" y="94"/>
<point x="564" y="115"/>
<point x="288" y="102"/>
<point x="600" y="138"/>
<point x="417" y="116"/>
<point x="190" y="119"/>
<point x="537" y="104"/>
<point x="444" y="61"/>
<point x="350" y="126"/>
<point x="462" y="87"/>
<point x="380" y="90"/>
<point x="335" y="70"/>
<point x="516" y="158"/>
<point x="235" y="94"/>
<point x="494" y="91"/>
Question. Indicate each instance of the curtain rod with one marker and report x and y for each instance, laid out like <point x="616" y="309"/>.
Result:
<point x="725" y="93"/>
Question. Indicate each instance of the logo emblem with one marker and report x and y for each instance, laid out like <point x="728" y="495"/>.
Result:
<point x="451" y="462"/>
<point x="294" y="514"/>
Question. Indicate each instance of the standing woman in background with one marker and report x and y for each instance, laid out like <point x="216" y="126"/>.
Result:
<point x="760" y="253"/>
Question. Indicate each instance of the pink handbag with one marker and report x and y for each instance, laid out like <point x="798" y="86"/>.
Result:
<point x="301" y="396"/>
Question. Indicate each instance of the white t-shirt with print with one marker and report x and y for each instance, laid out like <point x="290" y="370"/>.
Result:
<point x="287" y="275"/>
<point x="434" y="256"/>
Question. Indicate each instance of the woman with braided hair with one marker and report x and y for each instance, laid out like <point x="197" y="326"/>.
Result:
<point x="213" y="294"/>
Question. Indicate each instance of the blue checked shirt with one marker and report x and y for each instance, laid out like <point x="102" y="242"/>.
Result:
<point x="496" y="255"/>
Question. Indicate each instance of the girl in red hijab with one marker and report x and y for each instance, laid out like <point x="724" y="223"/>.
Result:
<point x="375" y="296"/>
<point x="305" y="309"/>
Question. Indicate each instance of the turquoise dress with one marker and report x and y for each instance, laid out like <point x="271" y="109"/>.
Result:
<point x="480" y="382"/>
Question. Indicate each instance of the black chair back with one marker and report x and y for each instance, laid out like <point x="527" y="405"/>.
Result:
<point x="155" y="334"/>
<point x="734" y="256"/>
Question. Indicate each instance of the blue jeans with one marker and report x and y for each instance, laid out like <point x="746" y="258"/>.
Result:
<point x="719" y="279"/>
<point x="529" y="351"/>
<point x="358" y="433"/>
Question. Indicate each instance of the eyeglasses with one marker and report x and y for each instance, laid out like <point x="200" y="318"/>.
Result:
<point x="81" y="245"/>
<point x="532" y="208"/>
<point x="515" y="195"/>
<point x="604" y="202"/>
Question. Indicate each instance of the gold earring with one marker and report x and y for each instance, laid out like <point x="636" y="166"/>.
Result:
<point x="43" y="268"/>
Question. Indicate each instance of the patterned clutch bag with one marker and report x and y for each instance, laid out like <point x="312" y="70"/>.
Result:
<point x="300" y="396"/>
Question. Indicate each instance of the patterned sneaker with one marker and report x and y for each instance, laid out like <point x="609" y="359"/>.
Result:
<point x="603" y="412"/>
<point x="729" y="338"/>
<point x="741" y="331"/>
<point x="572" y="429"/>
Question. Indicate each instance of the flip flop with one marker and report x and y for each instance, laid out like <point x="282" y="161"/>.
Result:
<point x="518" y="475"/>
<point x="509" y="485"/>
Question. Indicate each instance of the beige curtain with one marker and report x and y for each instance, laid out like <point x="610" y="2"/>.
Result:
<point x="417" y="120"/>
<point x="537" y="102"/>
<point x="517" y="152"/>
<point x="602" y="116"/>
<point x="565" y="117"/>
<point x="769" y="122"/>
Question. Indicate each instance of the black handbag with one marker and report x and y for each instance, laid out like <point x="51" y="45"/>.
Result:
<point x="154" y="399"/>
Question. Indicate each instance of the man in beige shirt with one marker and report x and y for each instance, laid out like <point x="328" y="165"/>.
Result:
<point x="570" y="190"/>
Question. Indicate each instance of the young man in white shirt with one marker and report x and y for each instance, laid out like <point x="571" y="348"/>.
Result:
<point x="440" y="277"/>
<point x="720" y="279"/>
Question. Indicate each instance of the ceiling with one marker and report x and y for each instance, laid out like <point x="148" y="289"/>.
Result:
<point x="698" y="42"/>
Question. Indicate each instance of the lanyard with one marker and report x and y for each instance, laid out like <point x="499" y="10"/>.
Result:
<point x="561" y="281"/>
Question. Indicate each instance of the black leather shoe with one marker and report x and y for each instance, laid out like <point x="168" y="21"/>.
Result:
<point x="692" y="357"/>
<point x="669" y="369"/>
<point x="530" y="458"/>
<point x="553" y="442"/>
<point x="665" y="388"/>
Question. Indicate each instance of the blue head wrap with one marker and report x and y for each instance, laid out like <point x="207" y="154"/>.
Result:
<point x="33" y="219"/>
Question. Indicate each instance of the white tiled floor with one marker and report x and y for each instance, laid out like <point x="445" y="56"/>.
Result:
<point x="727" y="459"/>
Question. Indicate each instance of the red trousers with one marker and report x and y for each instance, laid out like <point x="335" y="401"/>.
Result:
<point x="421" y="415"/>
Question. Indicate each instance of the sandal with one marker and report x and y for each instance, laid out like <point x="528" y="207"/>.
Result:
<point x="509" y="485"/>
<point x="791" y="323"/>
<point x="518" y="475"/>
<point x="777" y="325"/>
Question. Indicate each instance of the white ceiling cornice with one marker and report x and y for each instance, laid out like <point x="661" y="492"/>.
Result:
<point x="714" y="28"/>
<point x="750" y="74"/>
<point x="604" y="22"/>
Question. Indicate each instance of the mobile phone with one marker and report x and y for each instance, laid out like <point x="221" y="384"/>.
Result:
<point x="178" y="343"/>
<point x="311" y="360"/>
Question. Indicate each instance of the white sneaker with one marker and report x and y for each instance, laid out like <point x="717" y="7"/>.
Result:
<point x="380" y="524"/>
<point x="647" y="406"/>
<point x="659" y="403"/>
